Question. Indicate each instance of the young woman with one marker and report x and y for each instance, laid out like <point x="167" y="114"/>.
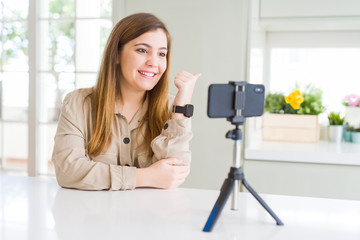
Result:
<point x="127" y="132"/>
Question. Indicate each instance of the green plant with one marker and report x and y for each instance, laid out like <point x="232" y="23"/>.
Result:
<point x="312" y="101"/>
<point x="335" y="119"/>
<point x="311" y="104"/>
<point x="275" y="103"/>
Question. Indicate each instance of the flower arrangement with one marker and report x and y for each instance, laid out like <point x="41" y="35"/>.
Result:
<point x="308" y="101"/>
<point x="335" y="119"/>
<point x="351" y="100"/>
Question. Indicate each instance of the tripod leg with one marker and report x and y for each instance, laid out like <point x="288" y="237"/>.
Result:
<point x="262" y="202"/>
<point x="225" y="192"/>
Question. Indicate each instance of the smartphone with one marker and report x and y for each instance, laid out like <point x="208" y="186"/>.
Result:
<point x="221" y="99"/>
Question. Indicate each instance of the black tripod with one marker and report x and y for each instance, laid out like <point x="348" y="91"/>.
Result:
<point x="231" y="184"/>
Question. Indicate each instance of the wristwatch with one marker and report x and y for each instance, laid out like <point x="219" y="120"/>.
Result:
<point x="187" y="110"/>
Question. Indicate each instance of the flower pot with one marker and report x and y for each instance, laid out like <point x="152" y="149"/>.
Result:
<point x="290" y="127"/>
<point x="336" y="133"/>
<point x="355" y="137"/>
<point x="348" y="136"/>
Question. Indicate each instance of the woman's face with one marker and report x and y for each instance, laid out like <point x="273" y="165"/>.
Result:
<point x="143" y="61"/>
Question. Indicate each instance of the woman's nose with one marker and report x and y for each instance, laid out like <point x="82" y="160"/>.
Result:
<point x="152" y="60"/>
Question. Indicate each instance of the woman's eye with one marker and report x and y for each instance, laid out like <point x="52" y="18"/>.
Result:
<point x="141" y="50"/>
<point x="162" y="54"/>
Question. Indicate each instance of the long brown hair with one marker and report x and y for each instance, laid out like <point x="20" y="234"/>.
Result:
<point x="107" y="87"/>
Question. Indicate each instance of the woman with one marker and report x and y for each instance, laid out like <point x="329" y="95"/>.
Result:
<point x="121" y="134"/>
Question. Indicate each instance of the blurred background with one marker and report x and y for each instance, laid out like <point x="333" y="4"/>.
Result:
<point x="51" y="47"/>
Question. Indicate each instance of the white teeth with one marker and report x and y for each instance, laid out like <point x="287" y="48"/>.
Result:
<point x="147" y="74"/>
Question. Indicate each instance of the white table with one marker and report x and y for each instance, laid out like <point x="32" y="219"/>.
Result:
<point x="37" y="208"/>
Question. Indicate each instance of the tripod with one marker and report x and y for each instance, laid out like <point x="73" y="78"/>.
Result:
<point x="231" y="184"/>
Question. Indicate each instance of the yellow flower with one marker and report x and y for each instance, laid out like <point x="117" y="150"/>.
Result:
<point x="294" y="99"/>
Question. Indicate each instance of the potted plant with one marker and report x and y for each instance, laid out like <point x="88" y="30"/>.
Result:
<point x="351" y="133"/>
<point x="293" y="117"/>
<point x="336" y="127"/>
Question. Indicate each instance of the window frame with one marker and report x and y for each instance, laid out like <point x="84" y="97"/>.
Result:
<point x="34" y="141"/>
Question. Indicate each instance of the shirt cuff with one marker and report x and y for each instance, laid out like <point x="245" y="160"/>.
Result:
<point x="122" y="178"/>
<point x="176" y="127"/>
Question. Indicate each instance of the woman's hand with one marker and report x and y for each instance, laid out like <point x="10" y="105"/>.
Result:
<point x="185" y="83"/>
<point x="165" y="173"/>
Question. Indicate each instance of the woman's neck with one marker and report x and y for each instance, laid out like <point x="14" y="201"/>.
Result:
<point x="128" y="103"/>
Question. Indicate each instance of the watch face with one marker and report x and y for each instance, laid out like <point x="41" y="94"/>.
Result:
<point x="189" y="110"/>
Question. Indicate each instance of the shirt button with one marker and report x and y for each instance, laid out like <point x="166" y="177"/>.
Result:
<point x="166" y="126"/>
<point x="126" y="140"/>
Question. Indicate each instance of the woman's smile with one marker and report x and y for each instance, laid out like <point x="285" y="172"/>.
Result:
<point x="147" y="74"/>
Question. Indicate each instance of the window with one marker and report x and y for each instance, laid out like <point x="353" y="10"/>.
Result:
<point x="14" y="82"/>
<point x="334" y="70"/>
<point x="70" y="38"/>
<point x="328" y="60"/>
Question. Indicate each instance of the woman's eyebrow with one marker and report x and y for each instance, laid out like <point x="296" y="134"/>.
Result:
<point x="147" y="45"/>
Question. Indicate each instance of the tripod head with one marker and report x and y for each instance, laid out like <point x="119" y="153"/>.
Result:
<point x="235" y="134"/>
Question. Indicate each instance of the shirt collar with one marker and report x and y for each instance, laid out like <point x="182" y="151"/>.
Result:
<point x="139" y="115"/>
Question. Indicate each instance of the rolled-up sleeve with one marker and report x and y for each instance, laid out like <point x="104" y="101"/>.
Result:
<point x="173" y="141"/>
<point x="74" y="169"/>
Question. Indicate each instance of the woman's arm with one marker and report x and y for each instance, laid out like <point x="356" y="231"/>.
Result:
<point x="172" y="145"/>
<point x="166" y="173"/>
<point x="72" y="166"/>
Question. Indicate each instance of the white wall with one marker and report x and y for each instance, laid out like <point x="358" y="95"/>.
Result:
<point x="302" y="15"/>
<point x="208" y="37"/>
<point x="309" y="8"/>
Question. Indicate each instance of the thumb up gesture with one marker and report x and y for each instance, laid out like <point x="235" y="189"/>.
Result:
<point x="185" y="83"/>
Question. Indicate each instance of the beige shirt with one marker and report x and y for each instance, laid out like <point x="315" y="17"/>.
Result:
<point x="115" y="168"/>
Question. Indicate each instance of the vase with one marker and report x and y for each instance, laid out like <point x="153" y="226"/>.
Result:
<point x="336" y="133"/>
<point x="290" y="127"/>
<point x="347" y="136"/>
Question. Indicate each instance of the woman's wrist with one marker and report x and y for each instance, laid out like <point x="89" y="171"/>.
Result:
<point x="142" y="179"/>
<point x="181" y="99"/>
